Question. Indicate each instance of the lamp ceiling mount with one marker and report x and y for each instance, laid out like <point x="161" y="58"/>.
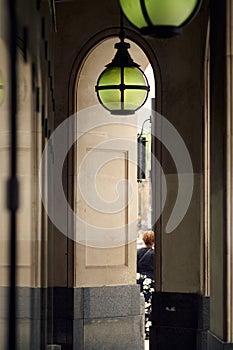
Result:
<point x="122" y="87"/>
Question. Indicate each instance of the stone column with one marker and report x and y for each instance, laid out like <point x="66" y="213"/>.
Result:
<point x="181" y="304"/>
<point x="221" y="94"/>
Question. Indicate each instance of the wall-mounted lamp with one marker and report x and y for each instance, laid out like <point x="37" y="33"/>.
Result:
<point x="141" y="166"/>
<point x="141" y="154"/>
<point x="122" y="87"/>
<point x="160" y="18"/>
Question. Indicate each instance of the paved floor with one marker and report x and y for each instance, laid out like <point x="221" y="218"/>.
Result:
<point x="146" y="344"/>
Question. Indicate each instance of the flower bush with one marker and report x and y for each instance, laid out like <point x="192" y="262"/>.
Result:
<point x="147" y="287"/>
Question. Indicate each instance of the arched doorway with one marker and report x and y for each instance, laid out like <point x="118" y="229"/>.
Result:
<point x="106" y="187"/>
<point x="106" y="129"/>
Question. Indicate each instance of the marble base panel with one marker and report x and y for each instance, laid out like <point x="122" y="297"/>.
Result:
<point x="28" y="318"/>
<point x="108" y="317"/>
<point x="214" y="343"/>
<point x="180" y="321"/>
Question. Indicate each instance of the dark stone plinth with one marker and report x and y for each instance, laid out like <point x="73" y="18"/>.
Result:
<point x="180" y="321"/>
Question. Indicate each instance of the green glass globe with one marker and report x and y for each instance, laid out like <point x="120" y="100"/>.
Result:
<point x="160" y="18"/>
<point x="122" y="90"/>
<point x="122" y="87"/>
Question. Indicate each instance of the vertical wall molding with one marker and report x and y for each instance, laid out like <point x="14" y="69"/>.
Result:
<point x="229" y="167"/>
<point x="206" y="239"/>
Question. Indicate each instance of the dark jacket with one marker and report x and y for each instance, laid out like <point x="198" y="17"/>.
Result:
<point x="145" y="261"/>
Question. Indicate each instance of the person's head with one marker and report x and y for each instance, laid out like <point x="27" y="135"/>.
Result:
<point x="148" y="238"/>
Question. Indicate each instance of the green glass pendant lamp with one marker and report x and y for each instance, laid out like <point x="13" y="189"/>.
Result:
<point x="160" y="18"/>
<point x="122" y="88"/>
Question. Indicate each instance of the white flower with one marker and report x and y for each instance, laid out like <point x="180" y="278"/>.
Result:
<point x="147" y="281"/>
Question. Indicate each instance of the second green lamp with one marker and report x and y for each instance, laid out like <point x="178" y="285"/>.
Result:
<point x="160" y="18"/>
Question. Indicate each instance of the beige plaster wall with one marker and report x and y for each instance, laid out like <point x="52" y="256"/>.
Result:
<point x="4" y="173"/>
<point x="114" y="262"/>
<point x="100" y="266"/>
<point x="4" y="149"/>
<point x="35" y="85"/>
<point x="182" y="71"/>
<point x="181" y="249"/>
<point x="221" y="171"/>
<point x="24" y="156"/>
<point x="29" y="148"/>
<point x="181" y="67"/>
